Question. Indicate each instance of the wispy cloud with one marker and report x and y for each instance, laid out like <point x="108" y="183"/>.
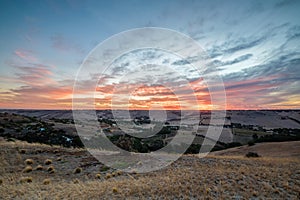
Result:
<point x="25" y="55"/>
<point x="61" y="43"/>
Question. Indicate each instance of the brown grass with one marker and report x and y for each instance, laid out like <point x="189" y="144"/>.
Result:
<point x="212" y="177"/>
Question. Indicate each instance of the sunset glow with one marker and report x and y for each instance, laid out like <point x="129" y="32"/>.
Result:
<point x="254" y="46"/>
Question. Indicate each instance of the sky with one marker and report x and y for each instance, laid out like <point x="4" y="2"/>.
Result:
<point x="254" y="45"/>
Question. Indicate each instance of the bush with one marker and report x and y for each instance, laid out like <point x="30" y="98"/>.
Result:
<point x="48" y="162"/>
<point x="22" y="151"/>
<point x="104" y="168"/>
<point x="252" y="155"/>
<point x="251" y="143"/>
<point x="27" y="169"/>
<point x="77" y="170"/>
<point x="108" y="175"/>
<point x="98" y="176"/>
<point x="115" y="190"/>
<point x="39" y="167"/>
<point x="26" y="180"/>
<point x="28" y="162"/>
<point x="46" y="181"/>
<point x="51" y="169"/>
<point x="233" y="144"/>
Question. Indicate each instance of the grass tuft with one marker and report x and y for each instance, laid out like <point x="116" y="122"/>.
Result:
<point x="98" y="176"/>
<point x="119" y="172"/>
<point x="46" y="181"/>
<point x="77" y="170"/>
<point x="39" y="167"/>
<point x="108" y="176"/>
<point x="26" y="179"/>
<point x="51" y="169"/>
<point x="48" y="162"/>
<point x="27" y="169"/>
<point x="115" y="190"/>
<point x="28" y="162"/>
<point x="22" y="151"/>
<point x="76" y="181"/>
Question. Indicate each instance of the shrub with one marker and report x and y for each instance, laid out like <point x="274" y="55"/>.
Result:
<point x="233" y="144"/>
<point x="28" y="162"/>
<point x="115" y="190"/>
<point x="119" y="172"/>
<point x="56" y="151"/>
<point x="108" y="176"/>
<point x="46" y="181"/>
<point x="50" y="169"/>
<point x="27" y="169"/>
<point x="59" y="159"/>
<point x="39" y="167"/>
<point x="252" y="155"/>
<point x="77" y="170"/>
<point x="1" y="181"/>
<point x="251" y="143"/>
<point x="48" y="162"/>
<point x="26" y="180"/>
<point x="76" y="181"/>
<point x="98" y="176"/>
<point x="104" y="168"/>
<point x="11" y="140"/>
<point x="22" y="151"/>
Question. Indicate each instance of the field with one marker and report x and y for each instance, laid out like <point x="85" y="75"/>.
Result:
<point x="77" y="175"/>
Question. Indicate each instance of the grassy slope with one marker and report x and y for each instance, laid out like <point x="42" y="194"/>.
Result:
<point x="224" y="177"/>
<point x="271" y="149"/>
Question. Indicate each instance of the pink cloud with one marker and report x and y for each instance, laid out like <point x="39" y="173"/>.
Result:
<point x="26" y="55"/>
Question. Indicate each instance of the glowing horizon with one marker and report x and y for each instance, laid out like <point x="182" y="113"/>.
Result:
<point x="254" y="46"/>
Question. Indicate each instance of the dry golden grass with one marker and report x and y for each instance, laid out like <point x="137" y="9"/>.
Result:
<point x="212" y="177"/>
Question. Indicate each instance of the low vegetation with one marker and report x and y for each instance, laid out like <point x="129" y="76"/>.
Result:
<point x="212" y="177"/>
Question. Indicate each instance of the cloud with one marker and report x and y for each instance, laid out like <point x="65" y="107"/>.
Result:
<point x="285" y="3"/>
<point x="63" y="44"/>
<point x="266" y="85"/>
<point x="231" y="62"/>
<point x="26" y="55"/>
<point x="233" y="46"/>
